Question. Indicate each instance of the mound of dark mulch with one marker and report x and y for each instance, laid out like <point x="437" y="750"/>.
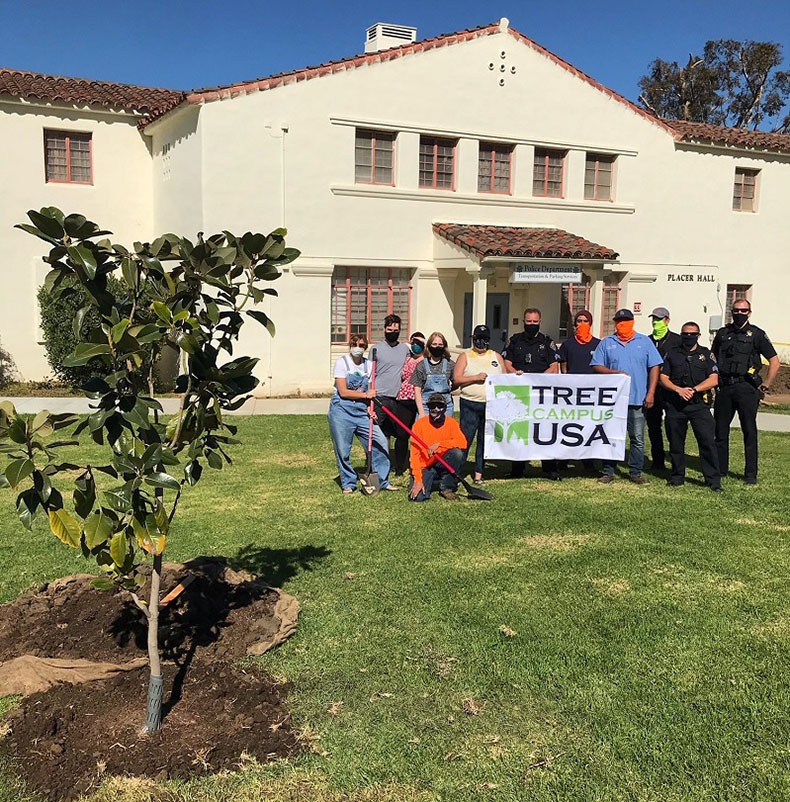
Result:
<point x="66" y="740"/>
<point x="219" y="616"/>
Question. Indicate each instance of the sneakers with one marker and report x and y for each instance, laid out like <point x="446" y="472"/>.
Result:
<point x="554" y="476"/>
<point x="605" y="478"/>
<point x="750" y="481"/>
<point x="640" y="480"/>
<point x="479" y="482"/>
<point x="717" y="489"/>
<point x="675" y="483"/>
<point x="450" y="495"/>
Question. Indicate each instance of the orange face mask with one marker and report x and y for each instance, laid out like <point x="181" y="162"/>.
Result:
<point x="625" y="330"/>
<point x="583" y="332"/>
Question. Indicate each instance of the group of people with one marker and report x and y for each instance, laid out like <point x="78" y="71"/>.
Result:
<point x="673" y="382"/>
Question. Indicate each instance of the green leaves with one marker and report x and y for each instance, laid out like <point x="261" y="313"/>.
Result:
<point x="158" y="479"/>
<point x="98" y="528"/>
<point x="65" y="527"/>
<point x="128" y="307"/>
<point x="84" y="352"/>
<point x="17" y="470"/>
<point x="82" y="258"/>
<point x="263" y="318"/>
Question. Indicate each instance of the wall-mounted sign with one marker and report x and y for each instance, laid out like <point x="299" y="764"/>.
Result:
<point x="637" y="307"/>
<point x="546" y="274"/>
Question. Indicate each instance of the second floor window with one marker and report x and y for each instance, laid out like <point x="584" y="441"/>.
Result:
<point x="547" y="175"/>
<point x="493" y="171"/>
<point x="598" y="173"/>
<point x="373" y="157"/>
<point x="67" y="157"/>
<point x="437" y="162"/>
<point x="744" y="192"/>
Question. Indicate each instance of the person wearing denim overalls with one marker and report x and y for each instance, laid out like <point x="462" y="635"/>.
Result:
<point x="348" y="416"/>
<point x="434" y="375"/>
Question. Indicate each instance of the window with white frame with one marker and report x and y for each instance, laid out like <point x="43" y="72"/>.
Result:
<point x="744" y="191"/>
<point x="374" y="160"/>
<point x="548" y="173"/>
<point x="599" y="177"/>
<point x="736" y="292"/>
<point x="363" y="296"/>
<point x="68" y="157"/>
<point x="437" y="162"/>
<point x="494" y="168"/>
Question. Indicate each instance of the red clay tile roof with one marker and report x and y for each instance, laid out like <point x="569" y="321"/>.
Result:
<point x="141" y="100"/>
<point x="533" y="243"/>
<point x="731" y="137"/>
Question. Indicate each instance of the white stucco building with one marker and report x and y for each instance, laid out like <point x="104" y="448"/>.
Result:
<point x="454" y="181"/>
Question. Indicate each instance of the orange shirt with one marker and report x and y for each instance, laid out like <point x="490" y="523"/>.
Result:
<point x="449" y="435"/>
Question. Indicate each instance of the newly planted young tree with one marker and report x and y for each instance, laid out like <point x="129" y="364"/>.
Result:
<point x="202" y="294"/>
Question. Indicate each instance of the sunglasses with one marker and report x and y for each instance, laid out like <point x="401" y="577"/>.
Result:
<point x="437" y="406"/>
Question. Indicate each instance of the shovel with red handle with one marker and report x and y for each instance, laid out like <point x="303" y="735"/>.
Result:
<point x="370" y="480"/>
<point x="472" y="492"/>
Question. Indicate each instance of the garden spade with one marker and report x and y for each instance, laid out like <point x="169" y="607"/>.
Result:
<point x="370" y="481"/>
<point x="472" y="492"/>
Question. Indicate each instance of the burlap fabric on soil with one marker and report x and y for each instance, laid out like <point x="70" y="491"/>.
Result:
<point x="57" y="634"/>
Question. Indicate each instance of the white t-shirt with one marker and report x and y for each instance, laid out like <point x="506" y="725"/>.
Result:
<point x="345" y="367"/>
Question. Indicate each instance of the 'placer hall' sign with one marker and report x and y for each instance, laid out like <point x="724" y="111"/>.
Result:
<point x="556" y="416"/>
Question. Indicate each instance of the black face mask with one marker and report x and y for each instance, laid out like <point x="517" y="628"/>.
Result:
<point x="391" y="336"/>
<point x="739" y="319"/>
<point x="436" y="350"/>
<point x="531" y="329"/>
<point x="688" y="340"/>
<point x="480" y="344"/>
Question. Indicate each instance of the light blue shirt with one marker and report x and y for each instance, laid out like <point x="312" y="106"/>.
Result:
<point x="635" y="358"/>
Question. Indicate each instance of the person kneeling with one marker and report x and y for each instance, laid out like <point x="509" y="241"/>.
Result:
<point x="444" y="437"/>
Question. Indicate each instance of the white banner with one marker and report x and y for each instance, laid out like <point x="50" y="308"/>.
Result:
<point x="556" y="416"/>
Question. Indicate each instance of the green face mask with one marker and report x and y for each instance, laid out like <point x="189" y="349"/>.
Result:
<point x="660" y="329"/>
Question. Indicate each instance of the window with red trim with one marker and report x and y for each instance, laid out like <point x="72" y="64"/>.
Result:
<point x="374" y="157"/>
<point x="437" y="162"/>
<point x="548" y="173"/>
<point x="744" y="191"/>
<point x="68" y="157"/>
<point x="493" y="171"/>
<point x="363" y="296"/>
<point x="736" y="292"/>
<point x="598" y="177"/>
<point x="611" y="303"/>
<point x="574" y="298"/>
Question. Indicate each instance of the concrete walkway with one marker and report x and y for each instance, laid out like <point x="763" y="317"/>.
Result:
<point x="766" y="421"/>
<point x="255" y="406"/>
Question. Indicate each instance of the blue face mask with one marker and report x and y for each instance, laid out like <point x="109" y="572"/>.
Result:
<point x="417" y="348"/>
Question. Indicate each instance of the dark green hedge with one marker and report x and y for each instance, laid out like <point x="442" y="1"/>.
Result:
<point x="57" y="317"/>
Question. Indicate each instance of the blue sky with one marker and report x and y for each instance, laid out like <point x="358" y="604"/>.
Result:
<point x="182" y="45"/>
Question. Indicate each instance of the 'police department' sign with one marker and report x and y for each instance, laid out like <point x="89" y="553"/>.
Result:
<point x="546" y="274"/>
<point x="556" y="416"/>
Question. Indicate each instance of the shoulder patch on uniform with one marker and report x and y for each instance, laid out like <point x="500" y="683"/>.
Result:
<point x="749" y="333"/>
<point x="702" y="357"/>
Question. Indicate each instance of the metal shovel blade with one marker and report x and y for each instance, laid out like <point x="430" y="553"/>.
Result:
<point x="476" y="493"/>
<point x="370" y="483"/>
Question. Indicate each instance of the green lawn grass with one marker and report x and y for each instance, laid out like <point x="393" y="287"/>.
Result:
<point x="570" y="641"/>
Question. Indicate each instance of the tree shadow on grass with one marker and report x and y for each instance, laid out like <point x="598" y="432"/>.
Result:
<point x="276" y="566"/>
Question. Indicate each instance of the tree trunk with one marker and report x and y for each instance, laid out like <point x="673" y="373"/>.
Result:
<point x="153" y="719"/>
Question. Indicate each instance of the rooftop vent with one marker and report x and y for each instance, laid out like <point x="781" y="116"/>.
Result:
<point x="382" y="35"/>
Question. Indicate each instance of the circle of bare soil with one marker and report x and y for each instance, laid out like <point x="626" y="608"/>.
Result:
<point x="64" y="740"/>
<point x="219" y="616"/>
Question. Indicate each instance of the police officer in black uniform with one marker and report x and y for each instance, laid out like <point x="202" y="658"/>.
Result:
<point x="688" y="376"/>
<point x="738" y="348"/>
<point x="664" y="341"/>
<point x="532" y="352"/>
